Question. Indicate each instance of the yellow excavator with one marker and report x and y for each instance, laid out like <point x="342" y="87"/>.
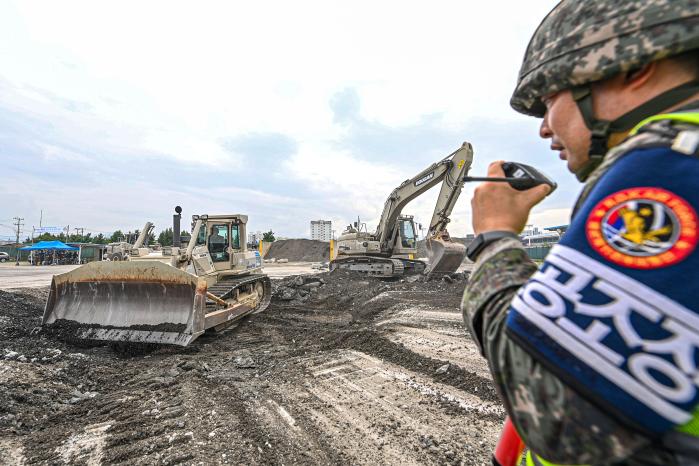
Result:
<point x="391" y="250"/>
<point x="211" y="284"/>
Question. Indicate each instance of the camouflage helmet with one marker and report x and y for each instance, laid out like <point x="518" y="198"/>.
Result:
<point x="580" y="42"/>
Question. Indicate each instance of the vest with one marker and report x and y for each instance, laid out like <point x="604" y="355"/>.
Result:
<point x="678" y="131"/>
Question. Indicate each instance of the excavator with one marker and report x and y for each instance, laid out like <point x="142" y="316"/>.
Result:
<point x="122" y="250"/>
<point x="211" y="284"/>
<point x="390" y="251"/>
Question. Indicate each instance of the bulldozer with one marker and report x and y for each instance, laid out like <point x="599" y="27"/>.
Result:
<point x="210" y="285"/>
<point x="390" y="251"/>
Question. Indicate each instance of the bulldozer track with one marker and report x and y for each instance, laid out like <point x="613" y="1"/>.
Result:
<point x="224" y="289"/>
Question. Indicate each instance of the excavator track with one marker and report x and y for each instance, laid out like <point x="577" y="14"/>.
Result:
<point x="412" y="267"/>
<point x="380" y="267"/>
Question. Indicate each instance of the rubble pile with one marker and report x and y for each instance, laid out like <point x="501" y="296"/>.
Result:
<point x="299" y="250"/>
<point x="344" y="290"/>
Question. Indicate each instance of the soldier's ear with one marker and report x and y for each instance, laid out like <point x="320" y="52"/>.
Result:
<point x="639" y="76"/>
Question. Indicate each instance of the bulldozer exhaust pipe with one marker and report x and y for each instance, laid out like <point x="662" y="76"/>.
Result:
<point x="176" y="239"/>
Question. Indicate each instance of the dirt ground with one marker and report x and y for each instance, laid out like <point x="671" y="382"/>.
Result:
<point x="339" y="370"/>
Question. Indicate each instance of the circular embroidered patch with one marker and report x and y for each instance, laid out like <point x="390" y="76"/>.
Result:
<point x="643" y="228"/>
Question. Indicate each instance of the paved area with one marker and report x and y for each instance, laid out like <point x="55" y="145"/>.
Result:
<point x="287" y="269"/>
<point x="26" y="276"/>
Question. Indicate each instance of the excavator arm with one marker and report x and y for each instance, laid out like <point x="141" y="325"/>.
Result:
<point x="445" y="255"/>
<point x="450" y="171"/>
<point x="143" y="235"/>
<point x="451" y="190"/>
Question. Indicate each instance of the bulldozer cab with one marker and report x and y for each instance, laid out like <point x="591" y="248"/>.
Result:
<point x="220" y="246"/>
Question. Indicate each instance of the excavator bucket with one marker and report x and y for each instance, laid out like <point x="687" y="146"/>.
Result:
<point x="139" y="301"/>
<point x="444" y="255"/>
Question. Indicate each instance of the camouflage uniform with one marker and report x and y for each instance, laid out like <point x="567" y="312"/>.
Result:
<point x="601" y="39"/>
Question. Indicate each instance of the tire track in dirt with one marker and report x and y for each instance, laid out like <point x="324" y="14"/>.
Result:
<point x="335" y="379"/>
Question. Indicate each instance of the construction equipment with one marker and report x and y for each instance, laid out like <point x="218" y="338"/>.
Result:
<point x="122" y="250"/>
<point x="212" y="284"/>
<point x="391" y="250"/>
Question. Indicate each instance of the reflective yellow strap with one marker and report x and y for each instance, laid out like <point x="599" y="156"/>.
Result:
<point x="536" y="460"/>
<point x="530" y="459"/>
<point x="686" y="117"/>
<point x="692" y="427"/>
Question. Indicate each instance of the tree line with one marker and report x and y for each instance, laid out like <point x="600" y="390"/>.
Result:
<point x="164" y="238"/>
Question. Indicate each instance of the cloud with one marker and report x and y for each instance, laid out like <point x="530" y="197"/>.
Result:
<point x="412" y="144"/>
<point x="279" y="182"/>
<point x="319" y="117"/>
<point x="261" y="148"/>
<point x="345" y="106"/>
<point x="370" y="159"/>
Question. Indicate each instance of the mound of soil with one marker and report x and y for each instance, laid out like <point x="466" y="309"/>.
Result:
<point x="346" y="291"/>
<point x="300" y="250"/>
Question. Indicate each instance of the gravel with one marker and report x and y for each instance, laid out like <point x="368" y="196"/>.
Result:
<point x="315" y="379"/>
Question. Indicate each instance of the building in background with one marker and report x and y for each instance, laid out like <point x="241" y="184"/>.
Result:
<point x="530" y="230"/>
<point x="321" y="230"/>
<point x="538" y="242"/>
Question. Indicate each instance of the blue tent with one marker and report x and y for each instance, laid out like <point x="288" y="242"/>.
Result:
<point x="49" y="245"/>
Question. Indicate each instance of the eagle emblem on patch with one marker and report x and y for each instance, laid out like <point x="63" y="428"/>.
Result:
<point x="643" y="228"/>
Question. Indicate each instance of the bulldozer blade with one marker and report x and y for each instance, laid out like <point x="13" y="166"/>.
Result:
<point x="444" y="256"/>
<point x="143" y="302"/>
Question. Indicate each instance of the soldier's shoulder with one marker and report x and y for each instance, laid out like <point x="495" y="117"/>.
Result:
<point x="662" y="136"/>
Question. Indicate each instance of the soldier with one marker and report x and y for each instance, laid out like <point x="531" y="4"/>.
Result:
<point x="595" y="353"/>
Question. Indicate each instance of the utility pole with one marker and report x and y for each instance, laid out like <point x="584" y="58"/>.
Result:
<point x="19" y="225"/>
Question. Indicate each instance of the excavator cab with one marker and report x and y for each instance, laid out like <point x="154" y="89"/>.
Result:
<point x="406" y="240"/>
<point x="407" y="233"/>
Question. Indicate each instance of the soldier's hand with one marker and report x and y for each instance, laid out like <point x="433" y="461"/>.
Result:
<point x="498" y="206"/>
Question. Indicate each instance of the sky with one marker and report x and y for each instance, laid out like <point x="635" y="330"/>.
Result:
<point x="112" y="114"/>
